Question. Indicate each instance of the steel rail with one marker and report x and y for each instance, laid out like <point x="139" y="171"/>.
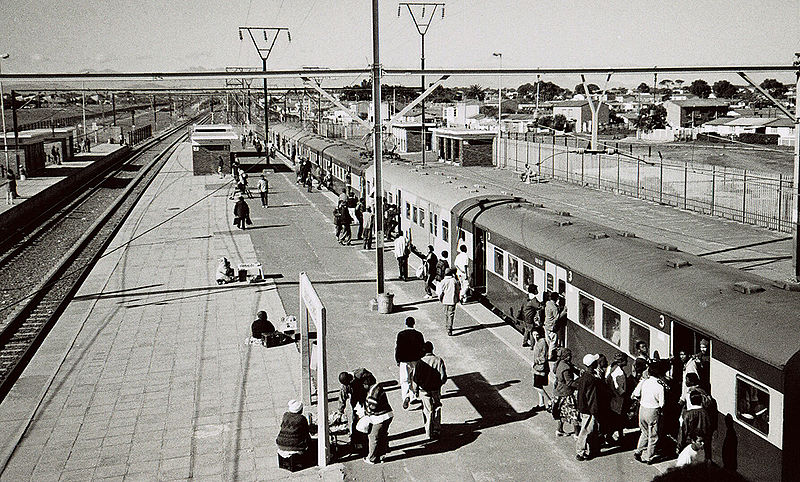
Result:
<point x="218" y="74"/>
<point x="31" y="323"/>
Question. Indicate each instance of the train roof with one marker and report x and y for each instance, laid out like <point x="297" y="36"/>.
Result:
<point x="449" y="190"/>
<point x="343" y="153"/>
<point x="698" y="291"/>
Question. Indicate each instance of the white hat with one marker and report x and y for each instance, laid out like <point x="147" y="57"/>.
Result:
<point x="589" y="359"/>
<point x="295" y="406"/>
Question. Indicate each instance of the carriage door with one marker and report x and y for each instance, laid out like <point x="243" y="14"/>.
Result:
<point x="479" y="261"/>
<point x="555" y="278"/>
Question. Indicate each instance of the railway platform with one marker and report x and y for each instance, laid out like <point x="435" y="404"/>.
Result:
<point x="147" y="374"/>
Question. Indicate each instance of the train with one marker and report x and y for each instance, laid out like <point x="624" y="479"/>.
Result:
<point x="345" y="162"/>
<point x="621" y="289"/>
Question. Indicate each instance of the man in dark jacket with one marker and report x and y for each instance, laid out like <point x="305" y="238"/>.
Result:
<point x="241" y="213"/>
<point x="697" y="423"/>
<point x="407" y="353"/>
<point x="430" y="375"/>
<point x="530" y="316"/>
<point x="430" y="272"/>
<point x="442" y="265"/>
<point x="588" y="404"/>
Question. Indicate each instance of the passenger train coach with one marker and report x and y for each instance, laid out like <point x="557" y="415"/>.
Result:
<point x="621" y="289"/>
<point x="345" y="162"/>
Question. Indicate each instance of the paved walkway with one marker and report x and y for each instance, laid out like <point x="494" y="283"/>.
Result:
<point x="147" y="376"/>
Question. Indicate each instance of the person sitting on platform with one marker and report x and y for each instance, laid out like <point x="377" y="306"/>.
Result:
<point x="224" y="271"/>
<point x="294" y="437"/>
<point x="262" y="327"/>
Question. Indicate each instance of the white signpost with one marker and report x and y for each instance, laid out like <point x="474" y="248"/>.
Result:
<point x="312" y="311"/>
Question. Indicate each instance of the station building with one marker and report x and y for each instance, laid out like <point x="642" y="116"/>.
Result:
<point x="210" y="143"/>
<point x="466" y="147"/>
<point x="30" y="151"/>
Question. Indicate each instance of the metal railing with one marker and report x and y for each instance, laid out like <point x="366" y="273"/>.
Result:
<point x="758" y="198"/>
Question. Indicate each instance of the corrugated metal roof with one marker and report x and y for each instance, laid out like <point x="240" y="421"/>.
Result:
<point x="751" y="121"/>
<point x="701" y="103"/>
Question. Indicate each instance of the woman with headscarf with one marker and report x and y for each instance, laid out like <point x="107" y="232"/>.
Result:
<point x="564" y="404"/>
<point x="294" y="437"/>
<point x="617" y="381"/>
<point x="224" y="271"/>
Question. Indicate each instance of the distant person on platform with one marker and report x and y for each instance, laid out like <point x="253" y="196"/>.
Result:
<point x="409" y="348"/>
<point x="294" y="437"/>
<point x="369" y="227"/>
<point x="263" y="191"/>
<point x="448" y="295"/>
<point x="401" y="252"/>
<point x="11" y="188"/>
<point x="224" y="271"/>
<point x="461" y="264"/>
<point x="241" y="213"/>
<point x="430" y="272"/>
<point x="220" y="167"/>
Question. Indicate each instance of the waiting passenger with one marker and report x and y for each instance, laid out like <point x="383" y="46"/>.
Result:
<point x="564" y="404"/>
<point x="294" y="437"/>
<point x="262" y="327"/>
<point x="224" y="271"/>
<point x="540" y="369"/>
<point x="617" y="382"/>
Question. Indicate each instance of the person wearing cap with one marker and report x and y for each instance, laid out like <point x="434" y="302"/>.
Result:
<point x="588" y="403"/>
<point x="530" y="316"/>
<point x="294" y="437"/>
<point x="448" y="293"/>
<point x="617" y="381"/>
<point x="650" y="393"/>
<point x="409" y="348"/>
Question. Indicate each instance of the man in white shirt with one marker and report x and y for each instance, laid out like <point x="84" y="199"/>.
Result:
<point x="401" y="252"/>
<point x="461" y="264"/>
<point x="650" y="393"/>
<point x="263" y="190"/>
<point x="447" y="292"/>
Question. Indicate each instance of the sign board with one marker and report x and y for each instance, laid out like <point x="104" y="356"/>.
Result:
<point x="314" y="380"/>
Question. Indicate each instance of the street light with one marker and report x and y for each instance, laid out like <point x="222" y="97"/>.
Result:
<point x="3" y="112"/>
<point x="499" y="105"/>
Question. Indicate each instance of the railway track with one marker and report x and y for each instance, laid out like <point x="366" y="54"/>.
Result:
<point x="40" y="272"/>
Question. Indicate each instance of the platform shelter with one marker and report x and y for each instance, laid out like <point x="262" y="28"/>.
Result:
<point x="210" y="143"/>
<point x="30" y="151"/>
<point x="466" y="147"/>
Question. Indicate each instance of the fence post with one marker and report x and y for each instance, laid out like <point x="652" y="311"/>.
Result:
<point x="637" y="177"/>
<point x="567" y="154"/>
<point x="744" y="195"/>
<point x="780" y="199"/>
<point x="685" y="182"/>
<point x="618" y="162"/>
<point x="599" y="170"/>
<point x="582" y="181"/>
<point x="713" y="186"/>
<point x="539" y="160"/>
<point x="660" y="181"/>
<point x="553" y="157"/>
<point x="516" y="152"/>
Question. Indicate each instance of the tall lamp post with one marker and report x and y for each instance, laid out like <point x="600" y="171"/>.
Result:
<point x="263" y="53"/>
<point x="499" y="105"/>
<point x="3" y="111"/>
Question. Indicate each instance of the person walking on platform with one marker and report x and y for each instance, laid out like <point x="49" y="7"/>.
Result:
<point x="11" y="188"/>
<point x="401" y="252"/>
<point x="530" y="316"/>
<point x="441" y="267"/>
<point x="359" y="214"/>
<point x="430" y="375"/>
<point x="448" y="295"/>
<point x="235" y="169"/>
<point x="650" y="393"/>
<point x="380" y="415"/>
<point x="368" y="227"/>
<point x="263" y="191"/>
<point x="430" y="272"/>
<point x="540" y="369"/>
<point x="462" y="266"/>
<point x="588" y="404"/>
<point x="220" y="167"/>
<point x="408" y="350"/>
<point x="241" y="213"/>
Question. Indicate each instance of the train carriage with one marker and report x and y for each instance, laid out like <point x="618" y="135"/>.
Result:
<point x="620" y="289"/>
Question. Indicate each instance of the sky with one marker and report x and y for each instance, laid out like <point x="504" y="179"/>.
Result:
<point x="173" y="35"/>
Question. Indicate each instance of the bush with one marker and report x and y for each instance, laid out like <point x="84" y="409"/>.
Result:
<point x="759" y="138"/>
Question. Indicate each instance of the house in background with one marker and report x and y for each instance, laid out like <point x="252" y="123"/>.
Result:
<point x="694" y="112"/>
<point x="579" y="112"/>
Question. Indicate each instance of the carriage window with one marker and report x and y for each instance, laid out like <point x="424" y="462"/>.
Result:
<point x="389" y="197"/>
<point x="527" y="276"/>
<point x="408" y="211"/>
<point x="752" y="405"/>
<point x="549" y="282"/>
<point x="422" y="217"/>
<point x="414" y="211"/>
<point x="611" y="325"/>
<point x="638" y="333"/>
<point x="562" y="287"/>
<point x="435" y="224"/>
<point x="498" y="261"/>
<point x="513" y="269"/>
<point x="445" y="231"/>
<point x="586" y="311"/>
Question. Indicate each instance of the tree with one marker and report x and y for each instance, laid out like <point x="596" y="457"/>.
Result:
<point x="549" y="91"/>
<point x="475" y="91"/>
<point x="665" y="84"/>
<point x="724" y="89"/>
<point x="652" y="117"/>
<point x="775" y="88"/>
<point x="700" y="88"/>
<point x="643" y="88"/>
<point x="527" y="90"/>
<point x="560" y="122"/>
<point x="593" y="89"/>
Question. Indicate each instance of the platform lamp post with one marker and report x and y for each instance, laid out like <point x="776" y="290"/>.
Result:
<point x="3" y="111"/>
<point x="263" y="53"/>
<point x="499" y="106"/>
<point x="422" y="23"/>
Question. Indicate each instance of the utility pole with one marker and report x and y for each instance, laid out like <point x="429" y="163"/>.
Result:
<point x="16" y="128"/>
<point x="499" y="107"/>
<point x="155" y="118"/>
<point x="114" y="108"/>
<point x="377" y="151"/>
<point x="796" y="171"/>
<point x="422" y="23"/>
<point x="263" y="53"/>
<point x="3" y="113"/>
